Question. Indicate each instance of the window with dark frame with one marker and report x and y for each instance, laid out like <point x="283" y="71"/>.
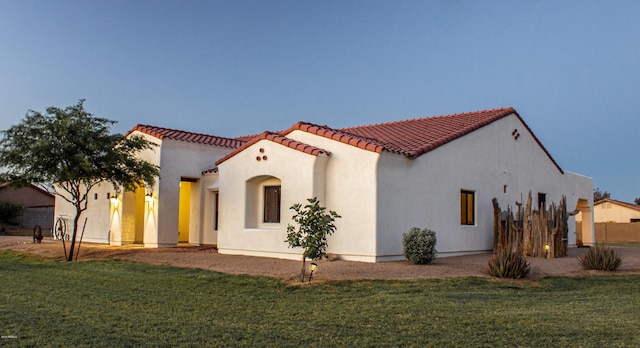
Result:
<point x="467" y="207"/>
<point x="271" y="204"/>
<point x="216" y="199"/>
<point x="542" y="201"/>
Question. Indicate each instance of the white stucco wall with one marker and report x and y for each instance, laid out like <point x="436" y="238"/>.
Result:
<point x="351" y="178"/>
<point x="180" y="159"/>
<point x="425" y="192"/>
<point x="300" y="176"/>
<point x="97" y="215"/>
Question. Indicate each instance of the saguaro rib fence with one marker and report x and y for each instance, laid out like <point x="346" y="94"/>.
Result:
<point x="539" y="233"/>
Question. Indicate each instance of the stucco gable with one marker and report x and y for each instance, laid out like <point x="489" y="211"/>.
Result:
<point x="278" y="139"/>
<point x="174" y="134"/>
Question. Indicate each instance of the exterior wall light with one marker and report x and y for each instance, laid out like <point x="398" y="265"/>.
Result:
<point x="114" y="200"/>
<point x="148" y="197"/>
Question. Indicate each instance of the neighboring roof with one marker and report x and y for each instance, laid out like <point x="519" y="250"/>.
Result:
<point x="35" y="187"/>
<point x="624" y="204"/>
<point x="414" y="137"/>
<point x="279" y="139"/>
<point x="162" y="133"/>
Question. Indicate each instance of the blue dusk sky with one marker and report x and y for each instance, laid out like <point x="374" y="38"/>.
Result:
<point x="228" y="68"/>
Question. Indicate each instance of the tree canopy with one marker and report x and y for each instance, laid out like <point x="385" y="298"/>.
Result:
<point x="70" y="151"/>
<point x="599" y="195"/>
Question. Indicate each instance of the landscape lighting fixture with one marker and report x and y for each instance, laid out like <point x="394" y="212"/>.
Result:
<point x="313" y="268"/>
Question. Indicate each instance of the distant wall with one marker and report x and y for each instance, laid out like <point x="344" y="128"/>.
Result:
<point x="42" y="216"/>
<point x="617" y="232"/>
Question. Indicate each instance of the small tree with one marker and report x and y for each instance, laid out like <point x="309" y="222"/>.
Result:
<point x="314" y="225"/>
<point x="70" y="151"/>
<point x="637" y="201"/>
<point x="10" y="213"/>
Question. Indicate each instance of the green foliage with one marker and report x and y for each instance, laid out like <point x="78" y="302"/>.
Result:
<point x="637" y="201"/>
<point x="71" y="151"/>
<point x="71" y="147"/>
<point x="117" y="303"/>
<point x="601" y="258"/>
<point x="10" y="213"/>
<point x="600" y="195"/>
<point x="419" y="245"/>
<point x="508" y="264"/>
<point x="314" y="225"/>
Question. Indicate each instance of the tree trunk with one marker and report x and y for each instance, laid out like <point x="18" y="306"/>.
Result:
<point x="73" y="235"/>
<point x="303" y="270"/>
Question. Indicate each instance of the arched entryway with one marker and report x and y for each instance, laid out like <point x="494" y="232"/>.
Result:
<point x="584" y="224"/>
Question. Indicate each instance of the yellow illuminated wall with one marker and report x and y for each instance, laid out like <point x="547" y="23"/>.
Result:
<point x="184" y="211"/>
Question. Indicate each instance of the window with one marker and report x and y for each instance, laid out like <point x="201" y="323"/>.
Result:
<point x="272" y="204"/>
<point x="467" y="207"/>
<point x="542" y="201"/>
<point x="216" y="200"/>
<point x="635" y="220"/>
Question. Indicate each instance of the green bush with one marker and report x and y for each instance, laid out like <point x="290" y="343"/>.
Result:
<point x="508" y="264"/>
<point x="419" y="245"/>
<point x="601" y="258"/>
<point x="10" y="213"/>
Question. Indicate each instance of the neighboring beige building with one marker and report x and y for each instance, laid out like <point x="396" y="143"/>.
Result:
<point x="438" y="172"/>
<point x="610" y="210"/>
<point x="38" y="204"/>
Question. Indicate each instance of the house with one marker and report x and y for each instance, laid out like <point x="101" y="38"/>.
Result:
<point x="166" y="214"/>
<point x="610" y="210"/>
<point x="615" y="221"/>
<point x="38" y="204"/>
<point x="436" y="172"/>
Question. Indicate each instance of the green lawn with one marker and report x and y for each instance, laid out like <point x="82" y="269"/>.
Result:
<point x="114" y="303"/>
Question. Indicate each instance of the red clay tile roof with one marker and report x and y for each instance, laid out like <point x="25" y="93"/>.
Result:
<point x="414" y="137"/>
<point x="279" y="139"/>
<point x="624" y="204"/>
<point x="162" y="133"/>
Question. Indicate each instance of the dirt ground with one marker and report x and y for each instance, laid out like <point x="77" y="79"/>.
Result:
<point x="288" y="270"/>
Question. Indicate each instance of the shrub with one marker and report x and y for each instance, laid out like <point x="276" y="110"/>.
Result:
<point x="508" y="264"/>
<point x="10" y="213"/>
<point x="419" y="245"/>
<point x="601" y="258"/>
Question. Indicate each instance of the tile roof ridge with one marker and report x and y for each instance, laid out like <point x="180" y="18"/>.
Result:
<point x="506" y="110"/>
<point x="147" y="126"/>
<point x="278" y="138"/>
<point x="188" y="136"/>
<point x="339" y="134"/>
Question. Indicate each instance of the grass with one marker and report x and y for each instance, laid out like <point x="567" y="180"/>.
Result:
<point x="117" y="303"/>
